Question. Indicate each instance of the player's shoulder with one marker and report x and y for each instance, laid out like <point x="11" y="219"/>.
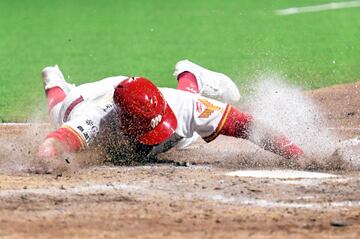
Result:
<point x="175" y="92"/>
<point x="165" y="89"/>
<point x="177" y="97"/>
<point x="115" y="78"/>
<point x="111" y="81"/>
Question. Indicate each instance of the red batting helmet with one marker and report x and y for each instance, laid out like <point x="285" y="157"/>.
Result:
<point x="143" y="111"/>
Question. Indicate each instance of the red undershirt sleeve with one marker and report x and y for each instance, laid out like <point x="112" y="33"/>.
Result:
<point x="69" y="137"/>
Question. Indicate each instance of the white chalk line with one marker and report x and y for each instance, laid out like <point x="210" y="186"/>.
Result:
<point x="313" y="181"/>
<point x="16" y="124"/>
<point x="318" y="8"/>
<point x="280" y="174"/>
<point x="282" y="204"/>
<point x="22" y="124"/>
<point x="149" y="191"/>
<point x="69" y="191"/>
<point x="350" y="142"/>
<point x="278" y="204"/>
<point x="343" y="128"/>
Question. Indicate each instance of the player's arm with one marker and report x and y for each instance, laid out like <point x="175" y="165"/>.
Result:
<point x="212" y="118"/>
<point x="64" y="139"/>
<point x="243" y="125"/>
<point x="72" y="137"/>
<point x="52" y="153"/>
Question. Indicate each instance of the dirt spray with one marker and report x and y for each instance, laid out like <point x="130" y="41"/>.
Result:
<point x="287" y="109"/>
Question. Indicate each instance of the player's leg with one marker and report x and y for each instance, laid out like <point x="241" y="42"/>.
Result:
<point x="196" y="79"/>
<point x="187" y="82"/>
<point x="56" y="89"/>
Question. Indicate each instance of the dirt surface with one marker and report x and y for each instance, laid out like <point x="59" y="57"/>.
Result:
<point x="341" y="104"/>
<point x="192" y="198"/>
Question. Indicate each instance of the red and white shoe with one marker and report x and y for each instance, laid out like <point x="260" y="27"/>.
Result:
<point x="211" y="84"/>
<point x="53" y="77"/>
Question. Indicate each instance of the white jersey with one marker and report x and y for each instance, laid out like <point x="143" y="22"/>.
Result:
<point x="86" y="108"/>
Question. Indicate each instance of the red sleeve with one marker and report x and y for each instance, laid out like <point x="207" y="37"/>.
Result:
<point x="233" y="123"/>
<point x="69" y="137"/>
<point x="237" y="124"/>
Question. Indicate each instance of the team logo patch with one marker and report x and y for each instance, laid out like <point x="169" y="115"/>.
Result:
<point x="209" y="108"/>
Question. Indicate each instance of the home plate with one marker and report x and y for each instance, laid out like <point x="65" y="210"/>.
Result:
<point x="281" y="174"/>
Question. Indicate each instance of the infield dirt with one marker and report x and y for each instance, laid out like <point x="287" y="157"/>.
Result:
<point x="192" y="198"/>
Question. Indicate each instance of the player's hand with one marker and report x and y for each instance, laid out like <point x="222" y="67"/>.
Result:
<point x="301" y="162"/>
<point x="335" y="161"/>
<point x="49" y="157"/>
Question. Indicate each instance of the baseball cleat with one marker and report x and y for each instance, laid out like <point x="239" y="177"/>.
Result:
<point x="53" y="77"/>
<point x="211" y="84"/>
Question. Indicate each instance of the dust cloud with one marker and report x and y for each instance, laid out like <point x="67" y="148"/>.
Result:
<point x="285" y="108"/>
<point x="18" y="145"/>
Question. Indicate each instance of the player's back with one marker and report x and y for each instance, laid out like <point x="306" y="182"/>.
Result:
<point x="94" y="90"/>
<point x="84" y="98"/>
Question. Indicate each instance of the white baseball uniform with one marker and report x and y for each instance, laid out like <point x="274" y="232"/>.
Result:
<point x="88" y="109"/>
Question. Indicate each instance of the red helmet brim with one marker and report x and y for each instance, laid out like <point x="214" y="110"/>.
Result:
<point x="162" y="131"/>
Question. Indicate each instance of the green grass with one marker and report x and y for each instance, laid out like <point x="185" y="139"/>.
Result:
<point x="93" y="39"/>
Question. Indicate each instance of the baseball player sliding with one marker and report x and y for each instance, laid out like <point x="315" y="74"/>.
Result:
<point x="150" y="119"/>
